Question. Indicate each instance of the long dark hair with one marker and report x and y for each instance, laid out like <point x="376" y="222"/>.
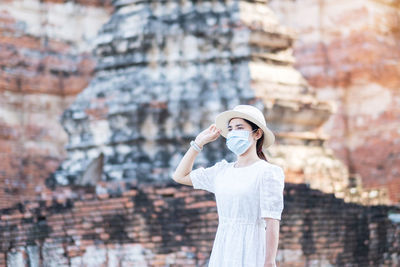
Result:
<point x="260" y="141"/>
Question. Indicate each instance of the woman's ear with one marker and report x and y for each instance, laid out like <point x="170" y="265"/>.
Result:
<point x="259" y="133"/>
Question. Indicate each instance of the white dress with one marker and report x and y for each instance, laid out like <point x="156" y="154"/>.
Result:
<point x="244" y="196"/>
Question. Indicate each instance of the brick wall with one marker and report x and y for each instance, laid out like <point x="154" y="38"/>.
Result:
<point x="174" y="225"/>
<point x="349" y="51"/>
<point x="43" y="68"/>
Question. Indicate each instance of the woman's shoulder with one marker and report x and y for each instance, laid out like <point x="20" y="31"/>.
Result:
<point x="272" y="168"/>
<point x="272" y="172"/>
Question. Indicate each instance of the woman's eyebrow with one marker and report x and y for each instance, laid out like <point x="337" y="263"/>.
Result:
<point x="235" y="125"/>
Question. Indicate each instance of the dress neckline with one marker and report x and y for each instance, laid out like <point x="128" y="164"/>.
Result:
<point x="233" y="164"/>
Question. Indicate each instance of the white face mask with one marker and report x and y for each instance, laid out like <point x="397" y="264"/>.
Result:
<point x="238" y="141"/>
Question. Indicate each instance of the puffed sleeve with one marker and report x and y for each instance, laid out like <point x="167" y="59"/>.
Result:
<point x="203" y="178"/>
<point x="272" y="184"/>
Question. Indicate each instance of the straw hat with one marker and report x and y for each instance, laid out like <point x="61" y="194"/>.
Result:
<point x="247" y="112"/>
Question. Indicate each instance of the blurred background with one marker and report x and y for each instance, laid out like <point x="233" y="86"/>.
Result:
<point x="100" y="99"/>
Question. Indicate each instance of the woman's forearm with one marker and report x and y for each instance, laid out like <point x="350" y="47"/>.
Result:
<point x="181" y="174"/>
<point x="186" y="164"/>
<point x="272" y="241"/>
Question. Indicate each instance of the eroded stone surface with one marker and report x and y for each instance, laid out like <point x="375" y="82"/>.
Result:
<point x="350" y="52"/>
<point x="45" y="61"/>
<point x="166" y="69"/>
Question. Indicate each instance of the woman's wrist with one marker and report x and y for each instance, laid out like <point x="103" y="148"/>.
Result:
<point x="199" y="143"/>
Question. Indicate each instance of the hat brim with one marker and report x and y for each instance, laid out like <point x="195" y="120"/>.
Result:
<point x="222" y="120"/>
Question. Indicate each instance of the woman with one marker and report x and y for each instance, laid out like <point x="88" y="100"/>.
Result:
<point x="249" y="191"/>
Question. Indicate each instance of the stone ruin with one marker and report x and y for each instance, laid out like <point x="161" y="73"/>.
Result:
<point x="164" y="70"/>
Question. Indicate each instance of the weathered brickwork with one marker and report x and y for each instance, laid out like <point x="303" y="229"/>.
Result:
<point x="44" y="63"/>
<point x="350" y="52"/>
<point x="171" y="225"/>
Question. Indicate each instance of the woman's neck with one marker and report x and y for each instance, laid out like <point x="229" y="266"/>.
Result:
<point x="247" y="159"/>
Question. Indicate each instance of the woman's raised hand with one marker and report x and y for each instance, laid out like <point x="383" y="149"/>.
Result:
<point x="208" y="135"/>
